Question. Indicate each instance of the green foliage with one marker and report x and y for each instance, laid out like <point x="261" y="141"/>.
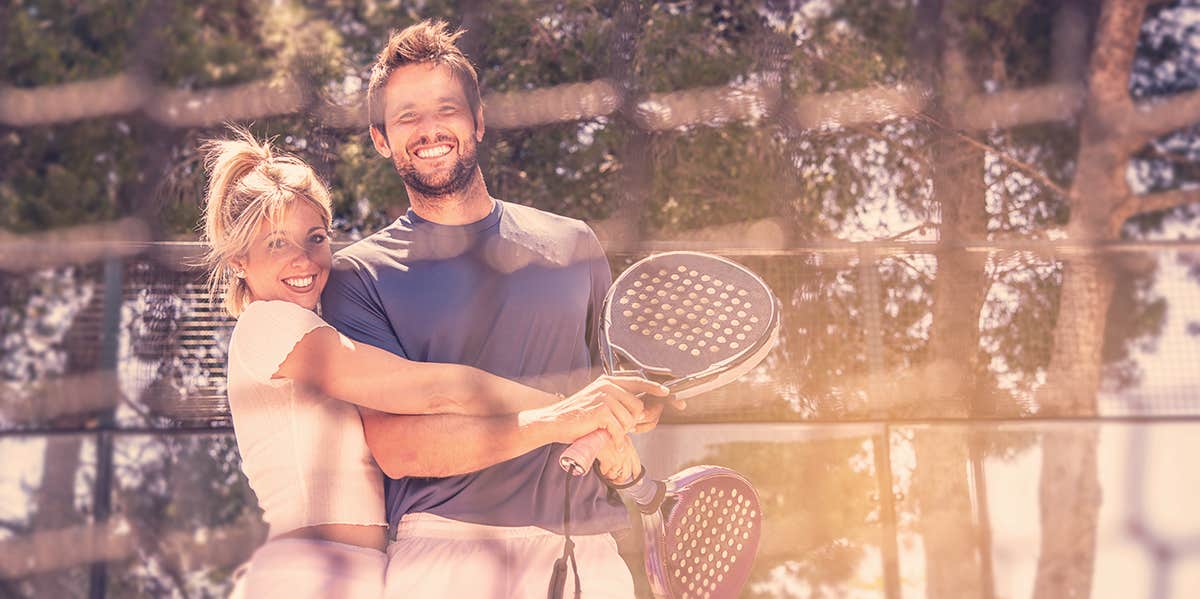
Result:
<point x="214" y="43"/>
<point x="822" y="184"/>
<point x="66" y="175"/>
<point x="861" y="42"/>
<point x="703" y="43"/>
<point x="1008" y="41"/>
<point x="45" y="43"/>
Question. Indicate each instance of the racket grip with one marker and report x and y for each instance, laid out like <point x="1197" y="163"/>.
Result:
<point x="579" y="457"/>
<point x="645" y="493"/>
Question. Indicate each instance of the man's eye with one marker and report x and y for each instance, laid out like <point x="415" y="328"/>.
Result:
<point x="407" y="117"/>
<point x="448" y="109"/>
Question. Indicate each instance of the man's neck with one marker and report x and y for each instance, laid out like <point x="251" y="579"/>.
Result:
<point x="470" y="205"/>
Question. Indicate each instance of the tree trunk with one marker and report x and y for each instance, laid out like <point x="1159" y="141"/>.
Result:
<point x="940" y="485"/>
<point x="628" y="223"/>
<point x="1070" y="492"/>
<point x="55" y="501"/>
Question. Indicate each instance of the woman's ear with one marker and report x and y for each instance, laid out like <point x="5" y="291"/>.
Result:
<point x="238" y="265"/>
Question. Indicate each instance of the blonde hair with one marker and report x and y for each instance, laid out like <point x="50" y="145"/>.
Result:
<point x="249" y="181"/>
<point x="426" y="42"/>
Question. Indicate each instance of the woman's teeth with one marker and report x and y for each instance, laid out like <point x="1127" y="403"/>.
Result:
<point x="299" y="282"/>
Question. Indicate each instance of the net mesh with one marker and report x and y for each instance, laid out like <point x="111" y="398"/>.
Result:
<point x="121" y="471"/>
<point x="855" y="343"/>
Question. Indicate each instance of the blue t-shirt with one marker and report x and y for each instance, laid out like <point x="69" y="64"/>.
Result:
<point x="517" y="294"/>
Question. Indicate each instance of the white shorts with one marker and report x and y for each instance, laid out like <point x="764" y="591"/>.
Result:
<point x="307" y="568"/>
<point x="438" y="557"/>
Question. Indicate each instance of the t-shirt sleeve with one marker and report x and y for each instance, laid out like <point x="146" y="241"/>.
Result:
<point x="351" y="304"/>
<point x="267" y="332"/>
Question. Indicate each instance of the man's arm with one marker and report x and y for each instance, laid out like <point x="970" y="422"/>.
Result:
<point x="447" y="444"/>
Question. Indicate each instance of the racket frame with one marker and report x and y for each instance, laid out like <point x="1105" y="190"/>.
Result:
<point x="578" y="457"/>
<point x="751" y="355"/>
<point x="654" y="522"/>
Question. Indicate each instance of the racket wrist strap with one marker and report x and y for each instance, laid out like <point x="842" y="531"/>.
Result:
<point x="558" y="579"/>
<point x="637" y="479"/>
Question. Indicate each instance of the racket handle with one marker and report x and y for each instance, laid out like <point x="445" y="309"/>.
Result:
<point x="646" y="493"/>
<point x="577" y="459"/>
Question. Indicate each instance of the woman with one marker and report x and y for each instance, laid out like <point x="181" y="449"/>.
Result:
<point x="303" y="452"/>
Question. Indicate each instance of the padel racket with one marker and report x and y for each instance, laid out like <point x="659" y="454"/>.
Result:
<point x="701" y="529"/>
<point x="692" y="321"/>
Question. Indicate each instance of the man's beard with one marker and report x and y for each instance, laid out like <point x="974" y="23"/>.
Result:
<point x="458" y="179"/>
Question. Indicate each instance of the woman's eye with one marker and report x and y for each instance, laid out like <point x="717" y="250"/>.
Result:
<point x="318" y="238"/>
<point x="277" y="244"/>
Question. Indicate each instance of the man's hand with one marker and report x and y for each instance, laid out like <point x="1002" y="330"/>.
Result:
<point x="654" y="411"/>
<point x="618" y="462"/>
<point x="608" y="403"/>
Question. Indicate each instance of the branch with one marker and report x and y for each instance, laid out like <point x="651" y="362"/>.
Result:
<point x="867" y="105"/>
<point x="72" y="245"/>
<point x="126" y="93"/>
<point x="1165" y="200"/>
<point x="1006" y="109"/>
<point x="566" y="102"/>
<point x="1112" y="59"/>
<point x="1151" y="202"/>
<point x="1155" y="118"/>
<point x="1022" y="166"/>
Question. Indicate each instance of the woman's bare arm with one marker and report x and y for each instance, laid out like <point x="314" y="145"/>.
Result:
<point x="373" y="378"/>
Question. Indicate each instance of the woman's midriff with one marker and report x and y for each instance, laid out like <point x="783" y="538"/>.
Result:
<point x="371" y="537"/>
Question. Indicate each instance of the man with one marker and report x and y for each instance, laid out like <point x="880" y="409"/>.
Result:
<point x="466" y="278"/>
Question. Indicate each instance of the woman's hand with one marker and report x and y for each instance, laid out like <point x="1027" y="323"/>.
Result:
<point x="609" y="403"/>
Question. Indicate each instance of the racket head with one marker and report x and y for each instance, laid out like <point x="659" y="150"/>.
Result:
<point x="688" y="317"/>
<point x="710" y="534"/>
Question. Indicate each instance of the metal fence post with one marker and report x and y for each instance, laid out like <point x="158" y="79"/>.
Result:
<point x="102" y="487"/>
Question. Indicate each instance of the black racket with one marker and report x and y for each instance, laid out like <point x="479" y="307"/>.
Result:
<point x="701" y="529"/>
<point x="692" y="321"/>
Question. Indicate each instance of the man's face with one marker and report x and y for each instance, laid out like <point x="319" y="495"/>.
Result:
<point x="431" y="133"/>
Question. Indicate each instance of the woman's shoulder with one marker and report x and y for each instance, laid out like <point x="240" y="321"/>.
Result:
<point x="265" y="334"/>
<point x="264" y="320"/>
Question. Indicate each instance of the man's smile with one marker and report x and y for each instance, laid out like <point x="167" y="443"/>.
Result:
<point x="434" y="151"/>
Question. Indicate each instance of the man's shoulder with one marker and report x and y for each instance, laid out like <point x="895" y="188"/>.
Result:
<point x="536" y="220"/>
<point x="365" y="252"/>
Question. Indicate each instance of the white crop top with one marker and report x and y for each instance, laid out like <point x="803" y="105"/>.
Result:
<point x="304" y="453"/>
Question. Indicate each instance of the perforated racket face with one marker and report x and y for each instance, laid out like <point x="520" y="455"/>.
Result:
<point x="681" y="313"/>
<point x="712" y="536"/>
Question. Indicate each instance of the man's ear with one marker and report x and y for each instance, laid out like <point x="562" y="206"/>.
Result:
<point x="479" y="124"/>
<point x="381" y="142"/>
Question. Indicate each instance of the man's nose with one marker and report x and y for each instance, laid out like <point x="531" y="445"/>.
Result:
<point x="430" y="129"/>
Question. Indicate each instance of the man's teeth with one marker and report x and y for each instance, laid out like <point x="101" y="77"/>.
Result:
<point x="433" y="152"/>
<point x="299" y="281"/>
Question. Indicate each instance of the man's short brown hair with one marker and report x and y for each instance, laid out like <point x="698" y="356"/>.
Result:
<point x="426" y="42"/>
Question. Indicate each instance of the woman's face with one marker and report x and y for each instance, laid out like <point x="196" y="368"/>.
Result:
<point x="289" y="260"/>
